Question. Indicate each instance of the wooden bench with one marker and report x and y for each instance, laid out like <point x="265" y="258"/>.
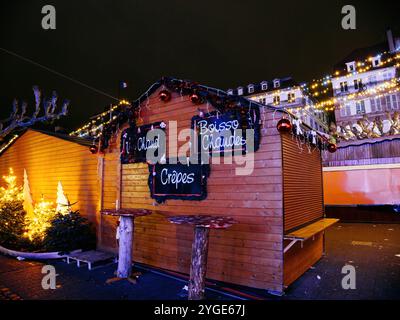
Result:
<point x="308" y="231"/>
<point x="91" y="258"/>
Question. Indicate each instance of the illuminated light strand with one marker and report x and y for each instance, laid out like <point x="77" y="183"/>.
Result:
<point x="387" y="87"/>
<point x="325" y="81"/>
<point x="104" y="114"/>
<point x="15" y="137"/>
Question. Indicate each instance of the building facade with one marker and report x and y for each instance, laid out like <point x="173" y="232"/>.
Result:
<point x="285" y="93"/>
<point x="366" y="92"/>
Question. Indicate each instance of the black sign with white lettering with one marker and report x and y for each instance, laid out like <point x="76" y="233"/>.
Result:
<point x="134" y="143"/>
<point x="178" y="181"/>
<point x="219" y="133"/>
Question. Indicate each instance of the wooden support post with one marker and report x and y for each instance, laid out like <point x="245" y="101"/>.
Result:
<point x="198" y="266"/>
<point x="126" y="228"/>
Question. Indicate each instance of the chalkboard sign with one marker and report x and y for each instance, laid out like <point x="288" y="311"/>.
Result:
<point x="218" y="133"/>
<point x="178" y="181"/>
<point x="134" y="143"/>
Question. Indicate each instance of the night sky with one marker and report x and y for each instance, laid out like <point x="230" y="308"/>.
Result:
<point x="217" y="43"/>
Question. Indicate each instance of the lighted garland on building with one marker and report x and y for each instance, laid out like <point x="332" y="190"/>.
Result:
<point x="9" y="143"/>
<point x="316" y="88"/>
<point x="319" y="87"/>
<point x="197" y="94"/>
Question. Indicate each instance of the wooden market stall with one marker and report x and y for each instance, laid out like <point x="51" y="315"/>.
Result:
<point x="278" y="208"/>
<point x="49" y="158"/>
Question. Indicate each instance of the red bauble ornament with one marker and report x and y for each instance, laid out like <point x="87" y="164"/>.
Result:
<point x="332" y="147"/>
<point x="195" y="98"/>
<point x="165" y="95"/>
<point x="93" y="149"/>
<point x="284" y="125"/>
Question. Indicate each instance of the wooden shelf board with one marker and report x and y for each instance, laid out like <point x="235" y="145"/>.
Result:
<point x="310" y="230"/>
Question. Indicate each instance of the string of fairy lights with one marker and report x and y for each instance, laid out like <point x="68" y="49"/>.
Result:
<point x="10" y="142"/>
<point x="93" y="127"/>
<point x="319" y="89"/>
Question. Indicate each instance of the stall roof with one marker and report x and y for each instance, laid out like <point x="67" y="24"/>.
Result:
<point x="73" y="139"/>
<point x="196" y="86"/>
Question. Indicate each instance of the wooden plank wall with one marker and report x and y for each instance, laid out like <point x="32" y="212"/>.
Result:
<point x="249" y="253"/>
<point x="47" y="160"/>
<point x="372" y="151"/>
<point x="302" y="176"/>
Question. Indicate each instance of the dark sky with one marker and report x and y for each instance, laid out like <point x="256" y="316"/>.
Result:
<point x="217" y="43"/>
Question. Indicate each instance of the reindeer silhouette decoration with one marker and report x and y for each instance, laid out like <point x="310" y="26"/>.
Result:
<point x="18" y="118"/>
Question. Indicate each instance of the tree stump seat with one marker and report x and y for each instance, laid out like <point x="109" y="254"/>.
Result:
<point x="126" y="230"/>
<point x="126" y="212"/>
<point x="198" y="266"/>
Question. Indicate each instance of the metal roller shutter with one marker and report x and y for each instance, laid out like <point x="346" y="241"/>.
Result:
<point x="302" y="184"/>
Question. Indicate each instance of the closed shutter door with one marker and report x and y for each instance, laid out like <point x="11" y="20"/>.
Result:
<point x="302" y="184"/>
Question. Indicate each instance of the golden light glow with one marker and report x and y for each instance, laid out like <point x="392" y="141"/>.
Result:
<point x="11" y="192"/>
<point x="43" y="213"/>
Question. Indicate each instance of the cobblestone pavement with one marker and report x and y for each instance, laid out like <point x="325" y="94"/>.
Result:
<point x="6" y="294"/>
<point x="374" y="250"/>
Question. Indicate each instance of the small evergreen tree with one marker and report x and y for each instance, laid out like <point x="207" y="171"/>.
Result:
<point x="69" y="232"/>
<point x="12" y="214"/>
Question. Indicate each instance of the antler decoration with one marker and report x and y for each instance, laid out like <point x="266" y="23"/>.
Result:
<point x="18" y="118"/>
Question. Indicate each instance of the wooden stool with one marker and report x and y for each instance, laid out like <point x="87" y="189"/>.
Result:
<point x="198" y="267"/>
<point x="126" y="230"/>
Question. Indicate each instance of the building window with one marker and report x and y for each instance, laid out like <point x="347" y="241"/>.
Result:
<point x="291" y="97"/>
<point x="240" y="91"/>
<point x="376" y="61"/>
<point x="383" y="103"/>
<point x="264" y="85"/>
<point x="262" y="101"/>
<point x="360" y="107"/>
<point x="277" y="100"/>
<point x="358" y="84"/>
<point x="351" y="66"/>
<point x="395" y="102"/>
<point x="277" y="83"/>
<point x="373" y="105"/>
<point x="387" y="76"/>
<point x="250" y="88"/>
<point x="377" y="103"/>
<point x="343" y="86"/>
<point x="348" y="110"/>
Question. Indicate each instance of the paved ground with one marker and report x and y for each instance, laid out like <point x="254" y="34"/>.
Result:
<point x="374" y="250"/>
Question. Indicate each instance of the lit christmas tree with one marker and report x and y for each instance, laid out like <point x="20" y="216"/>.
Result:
<point x="12" y="214"/>
<point x="28" y="202"/>
<point x="63" y="204"/>
<point x="11" y="192"/>
<point x="36" y="225"/>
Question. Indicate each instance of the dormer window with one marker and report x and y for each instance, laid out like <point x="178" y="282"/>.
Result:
<point x="240" y="91"/>
<point x="277" y="83"/>
<point x="351" y="66"/>
<point x="230" y="92"/>
<point x="376" y="61"/>
<point x="264" y="85"/>
<point x="250" y="88"/>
